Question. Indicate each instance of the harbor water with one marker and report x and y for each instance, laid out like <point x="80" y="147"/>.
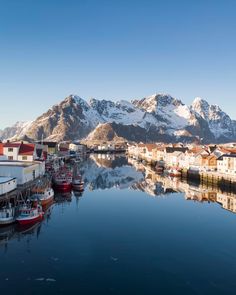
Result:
<point x="130" y="232"/>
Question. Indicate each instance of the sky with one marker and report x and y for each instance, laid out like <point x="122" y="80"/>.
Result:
<point x="114" y="49"/>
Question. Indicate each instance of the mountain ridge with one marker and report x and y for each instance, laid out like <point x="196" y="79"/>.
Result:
<point x="159" y="117"/>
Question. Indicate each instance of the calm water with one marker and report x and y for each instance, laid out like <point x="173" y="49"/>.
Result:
<point x="129" y="233"/>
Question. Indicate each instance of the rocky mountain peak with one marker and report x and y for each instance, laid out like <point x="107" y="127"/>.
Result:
<point x="156" y="102"/>
<point x="159" y="117"/>
<point x="201" y="106"/>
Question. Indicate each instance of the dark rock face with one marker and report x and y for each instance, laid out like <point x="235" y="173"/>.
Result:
<point x="159" y="117"/>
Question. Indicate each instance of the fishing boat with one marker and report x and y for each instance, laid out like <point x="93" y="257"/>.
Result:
<point x="159" y="169"/>
<point x="7" y="215"/>
<point x="44" y="195"/>
<point x="29" y="214"/>
<point x="77" y="183"/>
<point x="62" y="180"/>
<point x="174" y="172"/>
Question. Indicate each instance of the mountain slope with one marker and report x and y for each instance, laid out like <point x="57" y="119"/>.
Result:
<point x="220" y="124"/>
<point x="159" y="117"/>
<point x="17" y="130"/>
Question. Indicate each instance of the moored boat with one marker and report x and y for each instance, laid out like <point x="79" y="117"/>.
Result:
<point x="45" y="195"/>
<point x="7" y="215"/>
<point x="29" y="214"/>
<point x="159" y="169"/>
<point x="174" y="172"/>
<point x="62" y="180"/>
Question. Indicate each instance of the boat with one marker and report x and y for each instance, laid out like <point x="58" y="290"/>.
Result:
<point x="44" y="195"/>
<point x="77" y="183"/>
<point x="29" y="214"/>
<point x="159" y="169"/>
<point x="7" y="215"/>
<point x="174" y="172"/>
<point x="62" y="180"/>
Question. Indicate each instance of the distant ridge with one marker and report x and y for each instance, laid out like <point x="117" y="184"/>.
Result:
<point x="159" y="117"/>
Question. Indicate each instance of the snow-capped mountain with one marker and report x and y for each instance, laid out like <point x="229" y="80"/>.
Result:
<point x="219" y="122"/>
<point x="17" y="130"/>
<point x="159" y="117"/>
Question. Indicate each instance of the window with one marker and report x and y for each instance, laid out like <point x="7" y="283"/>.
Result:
<point x="24" y="158"/>
<point x="10" y="149"/>
<point x="10" y="158"/>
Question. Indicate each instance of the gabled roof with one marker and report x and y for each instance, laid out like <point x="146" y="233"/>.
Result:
<point x="27" y="149"/>
<point x="140" y="145"/>
<point x="12" y="144"/>
<point x="150" y="146"/>
<point x="176" y="149"/>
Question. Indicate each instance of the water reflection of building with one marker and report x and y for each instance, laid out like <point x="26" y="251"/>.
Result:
<point x="155" y="184"/>
<point x="228" y="202"/>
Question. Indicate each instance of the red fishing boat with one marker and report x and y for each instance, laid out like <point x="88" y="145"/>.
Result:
<point x="62" y="180"/>
<point x="45" y="195"/>
<point x="174" y="172"/>
<point x="30" y="214"/>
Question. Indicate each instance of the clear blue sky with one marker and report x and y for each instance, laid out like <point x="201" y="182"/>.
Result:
<point x="114" y="49"/>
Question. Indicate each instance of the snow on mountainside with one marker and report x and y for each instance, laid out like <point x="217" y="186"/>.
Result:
<point x="219" y="122"/>
<point x="98" y="176"/>
<point x="168" y="111"/>
<point x="159" y="117"/>
<point x="17" y="130"/>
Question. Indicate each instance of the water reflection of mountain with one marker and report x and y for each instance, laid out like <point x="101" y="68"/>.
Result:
<point x="107" y="171"/>
<point x="109" y="160"/>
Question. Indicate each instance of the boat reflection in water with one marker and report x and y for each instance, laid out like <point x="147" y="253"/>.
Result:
<point x="19" y="231"/>
<point x="132" y="230"/>
<point x="109" y="171"/>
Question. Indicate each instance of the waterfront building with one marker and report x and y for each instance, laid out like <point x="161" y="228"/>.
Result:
<point x="27" y="152"/>
<point x="7" y="184"/>
<point x="23" y="171"/>
<point x="227" y="164"/>
<point x="2" y="156"/>
<point x="149" y="152"/>
<point x="77" y="147"/>
<point x="170" y="155"/>
<point x="11" y="150"/>
<point x="20" y="151"/>
<point x="50" y="147"/>
<point x="158" y="153"/>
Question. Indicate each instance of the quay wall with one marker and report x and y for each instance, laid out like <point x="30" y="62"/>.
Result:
<point x="223" y="181"/>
